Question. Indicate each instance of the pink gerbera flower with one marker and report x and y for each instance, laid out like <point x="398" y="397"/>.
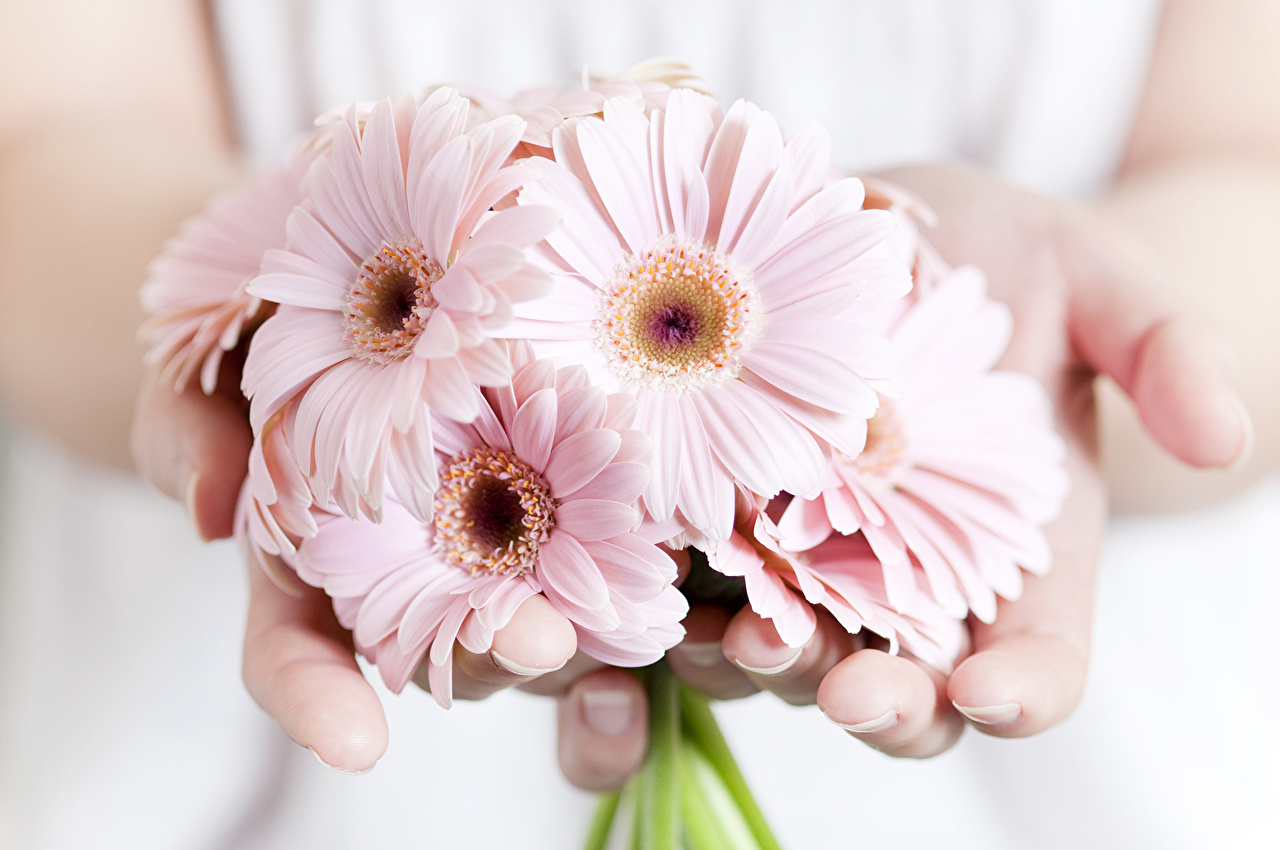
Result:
<point x="959" y="474"/>
<point x="705" y="268"/>
<point x="537" y="496"/>
<point x="545" y="108"/>
<point x="395" y="274"/>
<point x="273" y="513"/>
<point x="195" y="291"/>
<point x="840" y="574"/>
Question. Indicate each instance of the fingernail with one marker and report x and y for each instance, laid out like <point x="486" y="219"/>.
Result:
<point x="343" y="770"/>
<point x="702" y="654"/>
<point x="521" y="670"/>
<point x="1246" y="423"/>
<point x="991" y="715"/>
<point x="189" y="501"/>
<point x="774" y="670"/>
<point x="888" y="720"/>
<point x="607" y="712"/>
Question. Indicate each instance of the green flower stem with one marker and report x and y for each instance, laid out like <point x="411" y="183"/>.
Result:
<point x="700" y="725"/>
<point x="712" y="820"/>
<point x="658" y="806"/>
<point x="602" y="821"/>
<point x="634" y="792"/>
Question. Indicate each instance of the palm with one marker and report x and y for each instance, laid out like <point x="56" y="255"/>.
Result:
<point x="1085" y="300"/>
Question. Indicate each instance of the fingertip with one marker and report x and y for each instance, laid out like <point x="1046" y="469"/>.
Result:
<point x="333" y="712"/>
<point x="700" y="659"/>
<point x="865" y="690"/>
<point x="890" y="703"/>
<point x="1023" y="687"/>
<point x="792" y="673"/>
<point x="1187" y="399"/>
<point x="751" y="642"/>
<point x="210" y="500"/>
<point x="603" y="730"/>
<point x="1248" y="438"/>
<point x="537" y="640"/>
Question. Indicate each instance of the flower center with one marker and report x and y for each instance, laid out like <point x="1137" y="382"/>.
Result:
<point x="390" y="301"/>
<point x="883" y="461"/>
<point x="492" y="512"/>
<point x="676" y="317"/>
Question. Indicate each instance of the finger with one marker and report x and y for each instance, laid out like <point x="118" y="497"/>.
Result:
<point x="895" y="704"/>
<point x="537" y="640"/>
<point x="792" y="673"/>
<point x="603" y="727"/>
<point x="699" y="659"/>
<point x="300" y="667"/>
<point x="1176" y="370"/>
<point x="194" y="448"/>
<point x="1028" y="667"/>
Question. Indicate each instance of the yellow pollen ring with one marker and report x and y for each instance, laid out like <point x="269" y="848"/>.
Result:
<point x="492" y="512"/>
<point x="676" y="317"/>
<point x="390" y="301"/>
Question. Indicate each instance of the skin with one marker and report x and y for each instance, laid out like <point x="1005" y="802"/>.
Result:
<point x="1120" y="288"/>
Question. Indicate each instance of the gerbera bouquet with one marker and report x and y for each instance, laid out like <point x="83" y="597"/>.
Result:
<point x="499" y="349"/>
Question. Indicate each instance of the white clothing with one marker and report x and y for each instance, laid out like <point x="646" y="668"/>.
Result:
<point x="123" y="722"/>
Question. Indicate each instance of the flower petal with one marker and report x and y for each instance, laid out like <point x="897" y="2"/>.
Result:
<point x="534" y="428"/>
<point x="594" y="519"/>
<point x="578" y="459"/>
<point x="565" y="566"/>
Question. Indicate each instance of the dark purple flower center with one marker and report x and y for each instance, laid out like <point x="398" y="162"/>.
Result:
<point x="676" y="317"/>
<point x="675" y="325"/>
<point x="496" y="516"/>
<point x="492" y="512"/>
<point x="390" y="302"/>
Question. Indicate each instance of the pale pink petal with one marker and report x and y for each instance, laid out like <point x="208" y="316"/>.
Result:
<point x="578" y="459"/>
<point x="519" y="226"/>
<point x="615" y="152"/>
<point x="722" y="161"/>
<point x="740" y="421"/>
<point x="622" y="482"/>
<point x="397" y="667"/>
<point x="659" y="416"/>
<point x="628" y="572"/>
<point x="812" y="261"/>
<point x="759" y="168"/>
<point x="771" y="599"/>
<point x="384" y="178"/>
<point x="579" y="410"/>
<point x="735" y="556"/>
<point x="287" y="352"/>
<point x="584" y="240"/>
<point x="440" y="680"/>
<point x="439" y="194"/>
<point x="565" y="567"/>
<point x="594" y="519"/>
<point x="448" y="389"/>
<point x="534" y="428"/>
<point x="804" y="524"/>
<point x="310" y="238"/>
<point x="809" y="154"/>
<point x="536" y="376"/>
<point x="485" y="364"/>
<point x="686" y="139"/>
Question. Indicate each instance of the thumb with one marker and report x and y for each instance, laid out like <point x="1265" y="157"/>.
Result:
<point x="1176" y="369"/>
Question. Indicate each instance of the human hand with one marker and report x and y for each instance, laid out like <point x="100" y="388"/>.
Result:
<point x="299" y="664"/>
<point x="1086" y="300"/>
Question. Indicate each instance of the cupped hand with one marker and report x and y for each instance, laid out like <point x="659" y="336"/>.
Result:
<point x="299" y="663"/>
<point x="1087" y="300"/>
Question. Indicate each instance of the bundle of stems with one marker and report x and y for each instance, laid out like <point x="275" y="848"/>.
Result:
<point x="690" y="795"/>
